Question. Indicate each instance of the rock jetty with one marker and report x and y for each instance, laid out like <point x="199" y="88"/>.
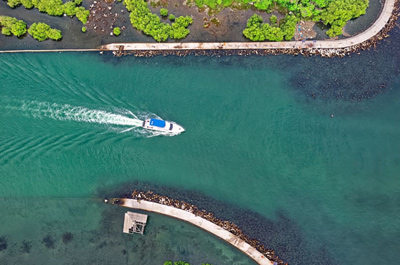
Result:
<point x="226" y="225"/>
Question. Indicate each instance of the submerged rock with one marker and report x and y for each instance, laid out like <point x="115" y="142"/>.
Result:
<point x="26" y="247"/>
<point x="3" y="243"/>
<point x="48" y="241"/>
<point x="67" y="237"/>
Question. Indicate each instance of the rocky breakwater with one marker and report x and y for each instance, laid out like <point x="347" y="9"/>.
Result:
<point x="372" y="42"/>
<point x="227" y="225"/>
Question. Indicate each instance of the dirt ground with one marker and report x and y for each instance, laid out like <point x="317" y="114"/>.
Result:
<point x="305" y="31"/>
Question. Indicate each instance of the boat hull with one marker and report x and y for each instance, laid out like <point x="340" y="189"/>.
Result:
<point x="168" y="127"/>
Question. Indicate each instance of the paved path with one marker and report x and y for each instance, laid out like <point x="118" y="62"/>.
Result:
<point x="200" y="222"/>
<point x="55" y="50"/>
<point x="321" y="44"/>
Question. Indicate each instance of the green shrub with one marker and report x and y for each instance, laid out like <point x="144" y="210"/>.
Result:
<point x="338" y="12"/>
<point x="70" y="8"/>
<point x="54" y="7"/>
<point x="262" y="4"/>
<point x="335" y="30"/>
<point x="13" y="3"/>
<point x="179" y="27"/>
<point x="273" y="19"/>
<point x="150" y="24"/>
<point x="6" y="31"/>
<point x="54" y="34"/>
<point x="82" y="14"/>
<point x="288" y="26"/>
<point x="117" y="31"/>
<point x="171" y="17"/>
<point x="10" y="25"/>
<point x="84" y="29"/>
<point x="27" y="4"/>
<point x="39" y="31"/>
<point x="256" y="30"/>
<point x="42" y="32"/>
<point x="18" y="28"/>
<point x="51" y="7"/>
<point x="164" y="12"/>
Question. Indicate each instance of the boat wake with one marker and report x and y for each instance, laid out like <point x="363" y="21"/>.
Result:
<point x="115" y="121"/>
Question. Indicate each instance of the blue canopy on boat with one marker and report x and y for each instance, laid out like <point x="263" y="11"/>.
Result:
<point x="157" y="123"/>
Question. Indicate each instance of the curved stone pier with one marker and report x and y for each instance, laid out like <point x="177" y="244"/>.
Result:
<point x="320" y="47"/>
<point x="379" y="24"/>
<point x="199" y="222"/>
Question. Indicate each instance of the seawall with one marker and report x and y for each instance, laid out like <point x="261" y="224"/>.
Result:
<point x="378" y="31"/>
<point x="366" y="39"/>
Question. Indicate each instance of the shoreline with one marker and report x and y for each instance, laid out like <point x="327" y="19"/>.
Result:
<point x="184" y="211"/>
<point x="325" y="48"/>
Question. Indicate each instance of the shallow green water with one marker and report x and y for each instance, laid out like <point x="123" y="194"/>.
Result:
<point x="252" y="141"/>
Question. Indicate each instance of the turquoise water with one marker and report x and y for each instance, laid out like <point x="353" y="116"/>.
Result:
<point x="306" y="164"/>
<point x="36" y="234"/>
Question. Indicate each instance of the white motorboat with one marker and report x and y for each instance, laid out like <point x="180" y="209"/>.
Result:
<point x="162" y="126"/>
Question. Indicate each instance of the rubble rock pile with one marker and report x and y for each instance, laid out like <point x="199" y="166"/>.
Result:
<point x="104" y="16"/>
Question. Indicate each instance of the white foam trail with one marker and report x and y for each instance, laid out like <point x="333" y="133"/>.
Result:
<point x="67" y="112"/>
<point x="127" y="130"/>
<point x="130" y="112"/>
<point x="81" y="114"/>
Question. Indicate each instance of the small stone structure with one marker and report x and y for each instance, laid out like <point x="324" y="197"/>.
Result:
<point x="134" y="223"/>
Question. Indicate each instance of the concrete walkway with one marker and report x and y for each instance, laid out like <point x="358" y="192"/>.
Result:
<point x="200" y="222"/>
<point x="319" y="44"/>
<point x="55" y="50"/>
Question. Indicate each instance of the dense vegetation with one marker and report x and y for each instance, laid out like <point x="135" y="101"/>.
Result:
<point x="181" y="263"/>
<point x="143" y="20"/>
<point x="334" y="13"/>
<point x="42" y="31"/>
<point x="338" y="12"/>
<point x="39" y="31"/>
<point x="12" y="26"/>
<point x="54" y="7"/>
<point x="256" y="30"/>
